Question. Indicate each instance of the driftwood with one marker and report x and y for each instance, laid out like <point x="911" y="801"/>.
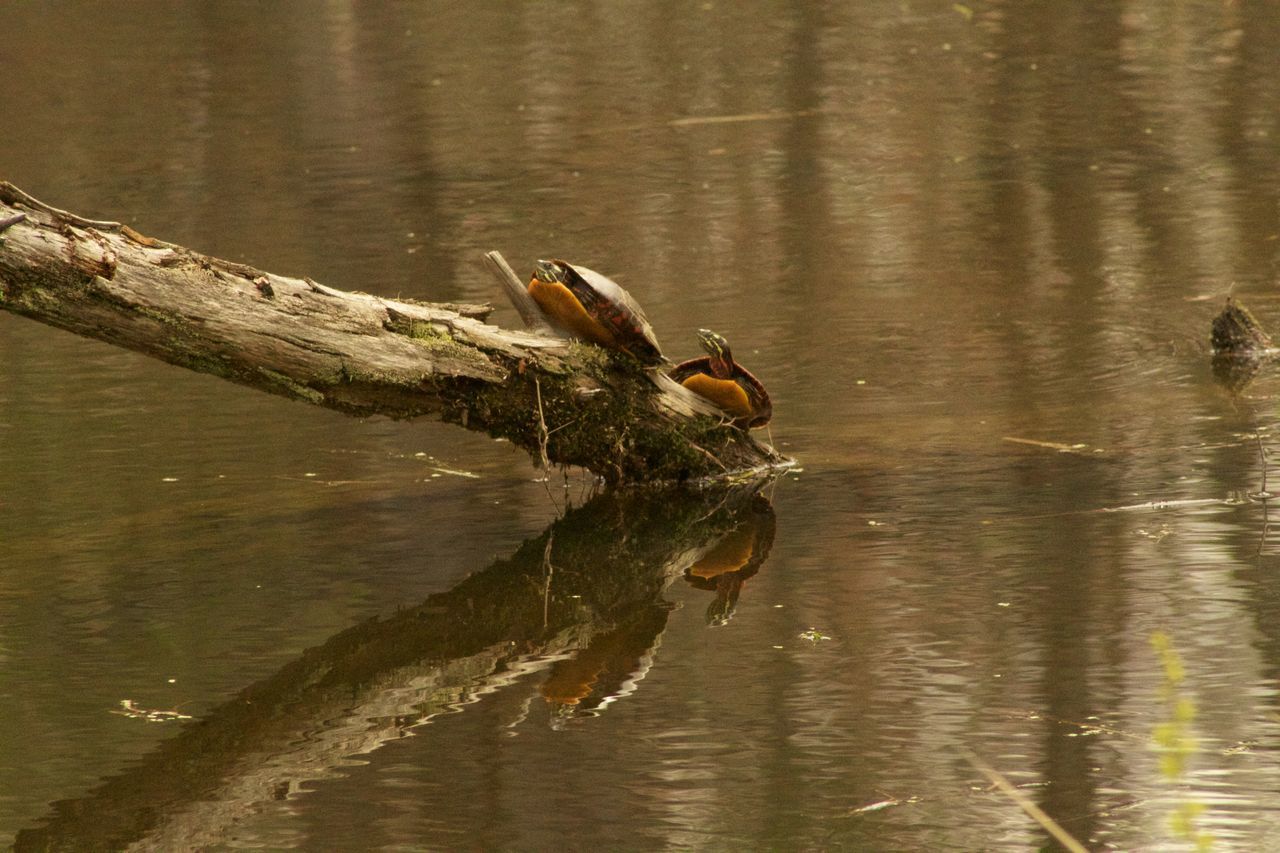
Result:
<point x="579" y="608"/>
<point x="563" y="402"/>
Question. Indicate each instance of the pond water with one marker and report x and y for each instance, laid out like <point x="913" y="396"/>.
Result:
<point x="973" y="250"/>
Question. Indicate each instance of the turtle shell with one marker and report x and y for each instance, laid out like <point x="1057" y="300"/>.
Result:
<point x="614" y="309"/>
<point x="761" y="405"/>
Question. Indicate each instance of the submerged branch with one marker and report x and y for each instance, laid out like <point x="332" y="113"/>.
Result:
<point x="360" y="354"/>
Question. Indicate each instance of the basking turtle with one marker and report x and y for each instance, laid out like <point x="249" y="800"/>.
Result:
<point x="724" y="382"/>
<point x="593" y="308"/>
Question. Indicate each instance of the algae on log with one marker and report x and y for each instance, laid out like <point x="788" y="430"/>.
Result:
<point x="361" y="354"/>
<point x="376" y="682"/>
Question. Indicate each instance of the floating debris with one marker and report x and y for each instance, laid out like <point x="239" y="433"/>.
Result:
<point x="1240" y="748"/>
<point x="690" y="121"/>
<point x="453" y="472"/>
<point x="1158" y="535"/>
<point x="875" y="807"/>
<point x="1079" y="449"/>
<point x="889" y="801"/>
<point x="134" y="712"/>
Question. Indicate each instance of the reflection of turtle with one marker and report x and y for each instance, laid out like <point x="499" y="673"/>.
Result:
<point x="724" y="382"/>
<point x="736" y="556"/>
<point x="606" y="669"/>
<point x="593" y="308"/>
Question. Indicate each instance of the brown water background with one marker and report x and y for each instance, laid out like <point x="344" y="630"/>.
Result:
<point x="928" y="228"/>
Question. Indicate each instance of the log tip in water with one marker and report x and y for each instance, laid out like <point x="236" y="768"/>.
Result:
<point x="1240" y="346"/>
<point x="1236" y="332"/>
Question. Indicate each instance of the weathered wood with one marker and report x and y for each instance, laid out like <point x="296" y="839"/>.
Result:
<point x="361" y="354"/>
<point x="600" y="570"/>
<point x="516" y="293"/>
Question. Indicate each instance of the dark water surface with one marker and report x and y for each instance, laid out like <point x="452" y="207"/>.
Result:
<point x="972" y="250"/>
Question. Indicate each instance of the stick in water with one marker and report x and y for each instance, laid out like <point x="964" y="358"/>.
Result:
<point x="1037" y="814"/>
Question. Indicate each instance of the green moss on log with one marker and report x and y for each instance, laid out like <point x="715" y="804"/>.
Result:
<point x="287" y="387"/>
<point x="612" y="428"/>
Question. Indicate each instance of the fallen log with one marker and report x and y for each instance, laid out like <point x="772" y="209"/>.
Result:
<point x="563" y="402"/>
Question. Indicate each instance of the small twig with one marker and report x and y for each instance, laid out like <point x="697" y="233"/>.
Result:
<point x="548" y="569"/>
<point x="11" y="194"/>
<point x="709" y="455"/>
<point x="693" y="121"/>
<point x="1266" y="528"/>
<point x="542" y="426"/>
<point x="1262" y="494"/>
<point x="543" y="436"/>
<point x="1037" y="814"/>
<point x="10" y="221"/>
<point x="1262" y="454"/>
<point x="562" y="426"/>
<point x="515" y="290"/>
<point x="713" y="510"/>
<point x="1079" y="449"/>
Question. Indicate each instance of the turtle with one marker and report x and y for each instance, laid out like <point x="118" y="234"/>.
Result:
<point x="593" y="308"/>
<point x="724" y="382"/>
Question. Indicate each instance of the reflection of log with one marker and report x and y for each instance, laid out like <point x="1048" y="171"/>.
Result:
<point x="601" y="567"/>
<point x="356" y="353"/>
<point x="606" y="668"/>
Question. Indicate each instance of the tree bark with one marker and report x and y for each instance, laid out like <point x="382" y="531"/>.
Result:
<point x="563" y="402"/>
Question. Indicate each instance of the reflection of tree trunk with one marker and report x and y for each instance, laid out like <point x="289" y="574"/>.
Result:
<point x="357" y="353"/>
<point x="805" y="192"/>
<point x="1250" y="97"/>
<point x="369" y="685"/>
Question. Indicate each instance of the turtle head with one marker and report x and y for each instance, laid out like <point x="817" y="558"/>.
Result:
<point x="549" y="272"/>
<point x="717" y="347"/>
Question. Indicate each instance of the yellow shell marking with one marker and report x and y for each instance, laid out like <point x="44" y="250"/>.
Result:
<point x="559" y="303"/>
<point x="725" y="393"/>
